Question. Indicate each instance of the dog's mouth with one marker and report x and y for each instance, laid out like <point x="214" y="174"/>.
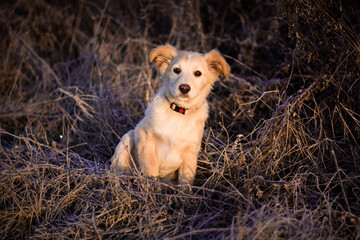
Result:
<point x="183" y="96"/>
<point x="178" y="96"/>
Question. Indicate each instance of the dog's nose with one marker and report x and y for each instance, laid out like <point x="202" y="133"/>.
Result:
<point x="184" y="88"/>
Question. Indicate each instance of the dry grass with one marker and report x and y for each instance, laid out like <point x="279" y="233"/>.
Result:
<point x="281" y="151"/>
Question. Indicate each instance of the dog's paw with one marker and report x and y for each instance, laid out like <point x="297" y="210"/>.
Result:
<point x="154" y="178"/>
<point x="186" y="188"/>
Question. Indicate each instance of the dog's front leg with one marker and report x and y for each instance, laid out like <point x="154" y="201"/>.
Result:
<point x="188" y="168"/>
<point x="145" y="146"/>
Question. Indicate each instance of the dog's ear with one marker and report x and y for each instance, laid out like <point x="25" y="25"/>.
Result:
<point x="217" y="63"/>
<point x="162" y="56"/>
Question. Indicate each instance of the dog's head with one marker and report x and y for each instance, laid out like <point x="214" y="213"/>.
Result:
<point x="188" y="76"/>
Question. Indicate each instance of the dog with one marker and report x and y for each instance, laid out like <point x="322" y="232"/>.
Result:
<point x="165" y="144"/>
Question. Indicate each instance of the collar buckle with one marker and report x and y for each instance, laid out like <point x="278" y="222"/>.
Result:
<point x="176" y="108"/>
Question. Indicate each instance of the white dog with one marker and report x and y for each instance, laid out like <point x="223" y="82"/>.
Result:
<point x="166" y="142"/>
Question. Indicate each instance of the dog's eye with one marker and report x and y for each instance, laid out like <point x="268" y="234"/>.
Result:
<point x="177" y="70"/>
<point x="197" y="74"/>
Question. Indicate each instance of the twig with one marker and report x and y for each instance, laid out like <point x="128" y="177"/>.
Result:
<point x="340" y="180"/>
<point x="245" y="66"/>
<point x="94" y="225"/>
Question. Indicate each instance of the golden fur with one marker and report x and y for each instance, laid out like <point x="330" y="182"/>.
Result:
<point x="164" y="145"/>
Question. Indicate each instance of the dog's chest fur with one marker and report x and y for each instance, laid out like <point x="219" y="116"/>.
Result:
<point x="176" y="134"/>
